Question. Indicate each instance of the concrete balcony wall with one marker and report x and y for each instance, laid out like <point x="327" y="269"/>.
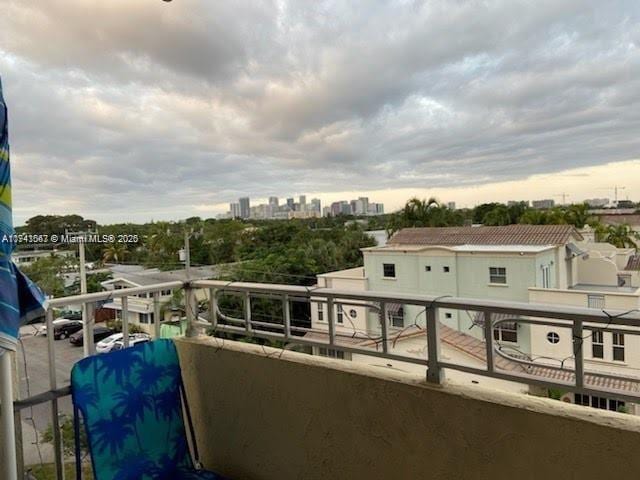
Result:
<point x="262" y="415"/>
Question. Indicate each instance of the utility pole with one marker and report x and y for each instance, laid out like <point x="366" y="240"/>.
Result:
<point x="87" y="322"/>
<point x="186" y="255"/>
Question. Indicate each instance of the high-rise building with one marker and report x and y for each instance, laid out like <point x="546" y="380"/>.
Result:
<point x="543" y="204"/>
<point x="316" y="205"/>
<point x="290" y="203"/>
<point x="245" y="207"/>
<point x="273" y="201"/>
<point x="451" y="205"/>
<point x="234" y="210"/>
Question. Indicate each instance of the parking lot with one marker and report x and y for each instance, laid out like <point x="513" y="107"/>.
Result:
<point x="34" y="379"/>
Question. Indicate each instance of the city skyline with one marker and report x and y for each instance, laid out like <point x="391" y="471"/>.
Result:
<point x="213" y="99"/>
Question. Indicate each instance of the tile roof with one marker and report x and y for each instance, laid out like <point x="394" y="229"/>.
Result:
<point x="476" y="348"/>
<point x="503" y="235"/>
<point x="633" y="263"/>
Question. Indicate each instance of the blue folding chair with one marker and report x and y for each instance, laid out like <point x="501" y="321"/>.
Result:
<point x="130" y="401"/>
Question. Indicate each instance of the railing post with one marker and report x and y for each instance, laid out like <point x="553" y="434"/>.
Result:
<point x="53" y="385"/>
<point x="156" y="314"/>
<point x="287" y="316"/>
<point x="435" y="374"/>
<point x="578" y="352"/>
<point x="125" y="321"/>
<point x="8" y="436"/>
<point x="87" y="341"/>
<point x="331" y="319"/>
<point x="213" y="307"/>
<point x="191" y="308"/>
<point x="247" y="312"/>
<point x="384" y="328"/>
<point x="488" y="339"/>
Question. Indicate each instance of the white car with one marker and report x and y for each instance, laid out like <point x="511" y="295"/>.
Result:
<point x="107" y="344"/>
<point x="58" y="321"/>
<point x="119" y="345"/>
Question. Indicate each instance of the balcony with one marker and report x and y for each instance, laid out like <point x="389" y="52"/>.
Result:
<point x="262" y="412"/>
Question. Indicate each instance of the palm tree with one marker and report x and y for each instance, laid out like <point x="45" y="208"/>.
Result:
<point x="423" y="213"/>
<point x="115" y="252"/>
<point x="621" y="236"/>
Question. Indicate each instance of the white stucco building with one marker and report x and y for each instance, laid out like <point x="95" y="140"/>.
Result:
<point x="524" y="263"/>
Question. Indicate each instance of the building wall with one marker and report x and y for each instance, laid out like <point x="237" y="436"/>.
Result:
<point x="541" y="347"/>
<point x="354" y="315"/>
<point x="468" y="276"/>
<point x="320" y="418"/>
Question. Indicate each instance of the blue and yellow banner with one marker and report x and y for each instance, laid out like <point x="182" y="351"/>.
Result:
<point x="20" y="299"/>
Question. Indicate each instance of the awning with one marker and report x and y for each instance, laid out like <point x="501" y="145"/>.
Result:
<point x="478" y="319"/>
<point x="393" y="308"/>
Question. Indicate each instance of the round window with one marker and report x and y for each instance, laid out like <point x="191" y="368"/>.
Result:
<point x="353" y="313"/>
<point x="553" y="337"/>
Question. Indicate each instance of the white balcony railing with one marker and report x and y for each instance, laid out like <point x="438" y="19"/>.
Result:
<point x="378" y="343"/>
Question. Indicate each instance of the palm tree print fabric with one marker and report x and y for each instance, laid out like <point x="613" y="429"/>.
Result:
<point x="131" y="406"/>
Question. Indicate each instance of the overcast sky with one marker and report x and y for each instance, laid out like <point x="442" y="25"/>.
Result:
<point x="133" y="110"/>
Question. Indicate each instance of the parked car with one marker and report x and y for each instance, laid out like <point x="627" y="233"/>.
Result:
<point x="58" y="321"/>
<point x="100" y="332"/>
<point x="70" y="314"/>
<point x="119" y="345"/>
<point x="66" y="329"/>
<point x="107" y="344"/>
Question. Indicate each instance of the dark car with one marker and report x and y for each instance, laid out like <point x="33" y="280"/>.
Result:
<point x="99" y="332"/>
<point x="70" y="314"/>
<point x="66" y="329"/>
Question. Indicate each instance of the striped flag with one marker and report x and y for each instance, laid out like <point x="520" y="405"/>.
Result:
<point x="20" y="299"/>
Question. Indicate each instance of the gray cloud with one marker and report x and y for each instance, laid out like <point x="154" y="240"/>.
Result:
<point x="155" y="108"/>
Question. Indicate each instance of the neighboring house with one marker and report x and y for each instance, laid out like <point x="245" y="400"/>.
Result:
<point x="24" y="258"/>
<point x="523" y="263"/>
<point x="141" y="307"/>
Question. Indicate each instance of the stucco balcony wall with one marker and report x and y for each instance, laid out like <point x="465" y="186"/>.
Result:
<point x="262" y="415"/>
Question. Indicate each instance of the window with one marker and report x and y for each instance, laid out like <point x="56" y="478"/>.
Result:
<point x="497" y="275"/>
<point x="396" y="317"/>
<point x="546" y="276"/>
<point x="597" y="344"/>
<point x="553" y="337"/>
<point x="445" y="269"/>
<point x="506" y="332"/>
<point x="427" y="268"/>
<point x="599" y="402"/>
<point x="595" y="301"/>
<point x="353" y="313"/>
<point x="389" y="270"/>
<point x="340" y="315"/>
<point x="448" y="315"/>
<point x="329" y="352"/>
<point x="618" y="347"/>
<point x="320" y="312"/>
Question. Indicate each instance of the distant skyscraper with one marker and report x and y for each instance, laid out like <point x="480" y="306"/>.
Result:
<point x="273" y="201"/>
<point x="451" y="205"/>
<point x="245" y="207"/>
<point x="290" y="203"/>
<point x="234" y="210"/>
<point x="315" y="205"/>
<point x="543" y="204"/>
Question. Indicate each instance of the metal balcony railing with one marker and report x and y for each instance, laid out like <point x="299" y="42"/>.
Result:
<point x="570" y="376"/>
